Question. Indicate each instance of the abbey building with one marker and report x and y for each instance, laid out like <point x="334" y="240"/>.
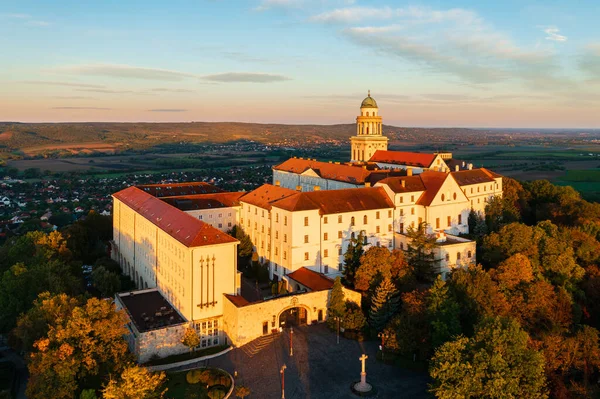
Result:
<point x="172" y="239"/>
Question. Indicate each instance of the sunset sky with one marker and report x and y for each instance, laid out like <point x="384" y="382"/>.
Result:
<point x="512" y="63"/>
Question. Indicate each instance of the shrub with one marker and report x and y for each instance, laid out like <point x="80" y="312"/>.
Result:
<point x="194" y="376"/>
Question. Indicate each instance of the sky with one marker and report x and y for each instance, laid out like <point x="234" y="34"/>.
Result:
<point x="467" y="63"/>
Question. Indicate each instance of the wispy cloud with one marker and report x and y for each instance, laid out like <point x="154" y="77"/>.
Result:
<point x="124" y="71"/>
<point x="553" y="35"/>
<point x="265" y="5"/>
<point x="84" y="108"/>
<point x="106" y="91"/>
<point x="410" y="15"/>
<point x="245" y="77"/>
<point x="25" y="19"/>
<point x="167" y="90"/>
<point x="74" y="98"/>
<point x="65" y="84"/>
<point x="168" y="110"/>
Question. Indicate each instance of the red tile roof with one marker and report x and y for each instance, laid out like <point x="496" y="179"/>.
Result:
<point x="265" y="195"/>
<point x="175" y="189"/>
<point x="433" y="181"/>
<point x="429" y="182"/>
<point x="474" y="176"/>
<point x="186" y="229"/>
<point x="337" y="201"/>
<point x="312" y="280"/>
<point x="330" y="171"/>
<point x="411" y="184"/>
<point x="403" y="158"/>
<point x="204" y="201"/>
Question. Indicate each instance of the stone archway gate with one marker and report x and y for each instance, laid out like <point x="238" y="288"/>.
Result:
<point x="244" y="323"/>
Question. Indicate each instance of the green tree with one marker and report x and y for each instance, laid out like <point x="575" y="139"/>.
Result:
<point x="336" y="307"/>
<point x="352" y="258"/>
<point x="384" y="305"/>
<point x="443" y="313"/>
<point x="245" y="247"/>
<point x="355" y="319"/>
<point x="136" y="383"/>
<point x="108" y="283"/>
<point x="495" y="363"/>
<point x="190" y="338"/>
<point x="420" y="253"/>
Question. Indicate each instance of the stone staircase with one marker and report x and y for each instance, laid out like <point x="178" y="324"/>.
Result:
<point x="254" y="347"/>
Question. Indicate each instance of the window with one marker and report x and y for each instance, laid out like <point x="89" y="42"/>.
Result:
<point x="306" y="220"/>
<point x="449" y="221"/>
<point x="277" y="234"/>
<point x="284" y="255"/>
<point x="285" y="238"/>
<point x="420" y="220"/>
<point x="447" y="257"/>
<point x="365" y="220"/>
<point x="376" y="215"/>
<point x="242" y="221"/>
<point x="269" y="215"/>
<point x="401" y="227"/>
<point x="469" y="254"/>
<point x="340" y="219"/>
<point x="352" y="221"/>
<point x="262" y="229"/>
<point x="325" y="253"/>
<point x="402" y="246"/>
<point x="454" y="196"/>
<point x="389" y="227"/>
<point x="389" y="213"/>
<point x="269" y="231"/>
<point x="306" y="239"/>
<point x="340" y="251"/>
<point x="262" y="245"/>
<point x="340" y="234"/>
<point x="200" y="217"/>
<point x="276" y="251"/>
<point x="437" y="223"/>
<point x="412" y="198"/>
<point x="220" y="225"/>
<point x="229" y="224"/>
<point x="459" y="218"/>
<point x="325" y="236"/>
<point x="458" y="256"/>
<point x="401" y="200"/>
<point x="477" y="189"/>
<point x="255" y="226"/>
<point x="484" y="188"/>
<point x="276" y="218"/>
<point x="306" y="256"/>
<point x="443" y="197"/>
<point x="325" y="220"/>
<point x="262" y="213"/>
<point x="412" y="211"/>
<point x="471" y="190"/>
<point x="285" y="220"/>
<point x="256" y="211"/>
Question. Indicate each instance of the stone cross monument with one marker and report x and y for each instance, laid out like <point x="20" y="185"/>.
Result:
<point x="363" y="386"/>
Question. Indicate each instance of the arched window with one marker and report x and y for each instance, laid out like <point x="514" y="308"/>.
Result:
<point x="352" y="221"/>
<point x="365" y="219"/>
<point x="443" y="197"/>
<point x="454" y="196"/>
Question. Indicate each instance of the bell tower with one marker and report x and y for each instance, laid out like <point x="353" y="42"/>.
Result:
<point x="369" y="136"/>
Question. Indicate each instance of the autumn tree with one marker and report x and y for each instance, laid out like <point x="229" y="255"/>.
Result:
<point x="136" y="383"/>
<point x="190" y="338"/>
<point x="420" y="253"/>
<point x="241" y="391"/>
<point x="47" y="312"/>
<point x="78" y="351"/>
<point x="377" y="263"/>
<point x="384" y="304"/>
<point x="496" y="362"/>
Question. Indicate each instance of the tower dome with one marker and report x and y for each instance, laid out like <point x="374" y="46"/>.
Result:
<point x="369" y="102"/>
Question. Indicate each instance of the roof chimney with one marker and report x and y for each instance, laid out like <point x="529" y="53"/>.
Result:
<point x="470" y="166"/>
<point x="316" y="188"/>
<point x="367" y="184"/>
<point x="403" y="183"/>
<point x="277" y="183"/>
<point x="409" y="172"/>
<point x="298" y="188"/>
<point x="456" y="168"/>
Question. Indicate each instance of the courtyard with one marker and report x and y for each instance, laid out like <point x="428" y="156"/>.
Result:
<point x="318" y="369"/>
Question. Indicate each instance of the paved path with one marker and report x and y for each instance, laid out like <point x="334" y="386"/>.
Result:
<point x="319" y="368"/>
